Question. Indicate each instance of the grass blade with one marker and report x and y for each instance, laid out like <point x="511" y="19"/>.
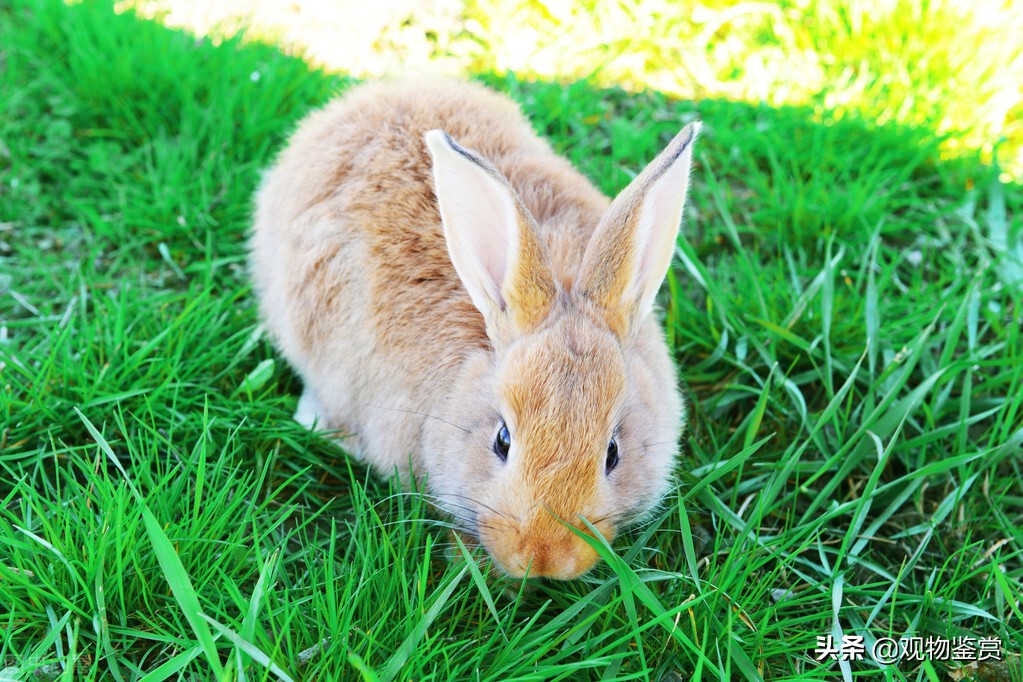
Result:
<point x="173" y="571"/>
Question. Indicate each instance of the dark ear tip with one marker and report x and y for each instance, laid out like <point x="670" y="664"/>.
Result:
<point x="679" y="145"/>
<point x="437" y="137"/>
<point x="688" y="135"/>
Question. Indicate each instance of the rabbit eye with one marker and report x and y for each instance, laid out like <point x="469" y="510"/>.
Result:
<point x="612" y="456"/>
<point x="502" y="443"/>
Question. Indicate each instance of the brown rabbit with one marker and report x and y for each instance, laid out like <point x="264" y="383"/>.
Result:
<point x="478" y="313"/>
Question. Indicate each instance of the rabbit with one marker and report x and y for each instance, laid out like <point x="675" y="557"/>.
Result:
<point x="463" y="306"/>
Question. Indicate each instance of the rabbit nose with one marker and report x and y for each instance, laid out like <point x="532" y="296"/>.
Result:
<point x="565" y="558"/>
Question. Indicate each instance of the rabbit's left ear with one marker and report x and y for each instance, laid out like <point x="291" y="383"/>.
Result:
<point x="493" y="241"/>
<point x="629" y="254"/>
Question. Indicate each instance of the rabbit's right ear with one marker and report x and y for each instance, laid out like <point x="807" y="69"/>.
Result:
<point x="493" y="241"/>
<point x="631" y="249"/>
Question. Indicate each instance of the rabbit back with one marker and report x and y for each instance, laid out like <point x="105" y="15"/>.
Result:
<point x="349" y="261"/>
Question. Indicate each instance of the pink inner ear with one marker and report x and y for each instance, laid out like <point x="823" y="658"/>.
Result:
<point x="492" y="256"/>
<point x="657" y="227"/>
<point x="480" y="221"/>
<point x="629" y="253"/>
<point x="493" y="242"/>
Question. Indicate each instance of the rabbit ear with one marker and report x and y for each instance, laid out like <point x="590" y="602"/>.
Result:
<point x="631" y="249"/>
<point x="493" y="241"/>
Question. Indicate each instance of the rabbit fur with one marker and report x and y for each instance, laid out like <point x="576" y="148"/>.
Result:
<point x="440" y="279"/>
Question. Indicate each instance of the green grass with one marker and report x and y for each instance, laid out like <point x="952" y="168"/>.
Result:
<point x="845" y="307"/>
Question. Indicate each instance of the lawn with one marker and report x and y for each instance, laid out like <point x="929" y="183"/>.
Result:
<point x="845" y="309"/>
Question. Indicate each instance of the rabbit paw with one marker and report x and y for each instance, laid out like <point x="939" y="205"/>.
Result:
<point x="309" y="412"/>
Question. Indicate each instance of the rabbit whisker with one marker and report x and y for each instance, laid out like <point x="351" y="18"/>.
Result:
<point x="660" y="442"/>
<point x="448" y="507"/>
<point x="415" y="412"/>
<point x="485" y="506"/>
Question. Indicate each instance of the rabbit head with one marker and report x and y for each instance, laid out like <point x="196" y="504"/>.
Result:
<point x="573" y="411"/>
